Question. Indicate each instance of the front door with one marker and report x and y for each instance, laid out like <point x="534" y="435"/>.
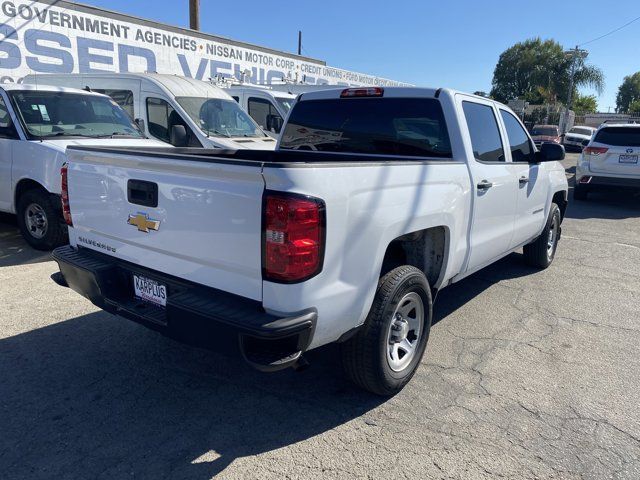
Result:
<point x="533" y="182"/>
<point x="8" y="137"/>
<point x="494" y="188"/>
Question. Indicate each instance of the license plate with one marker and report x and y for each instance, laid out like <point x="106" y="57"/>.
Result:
<point x="150" y="291"/>
<point x="628" y="159"/>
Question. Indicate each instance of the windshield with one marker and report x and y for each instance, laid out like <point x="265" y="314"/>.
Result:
<point x="285" y="103"/>
<point x="379" y="126"/>
<point x="61" y="114"/>
<point x="581" y="131"/>
<point x="619" y="136"/>
<point x="219" y="117"/>
<point x="546" y="131"/>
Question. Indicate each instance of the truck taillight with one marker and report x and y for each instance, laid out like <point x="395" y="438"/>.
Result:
<point x="293" y="237"/>
<point x="362" y="92"/>
<point x="595" y="150"/>
<point x="64" y="196"/>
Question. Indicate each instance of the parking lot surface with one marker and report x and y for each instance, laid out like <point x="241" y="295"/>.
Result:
<point x="527" y="375"/>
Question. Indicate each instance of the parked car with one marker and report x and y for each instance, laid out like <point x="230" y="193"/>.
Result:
<point x="545" y="134"/>
<point x="574" y="139"/>
<point x="37" y="124"/>
<point x="180" y="111"/>
<point x="266" y="106"/>
<point x="333" y="238"/>
<point x="609" y="159"/>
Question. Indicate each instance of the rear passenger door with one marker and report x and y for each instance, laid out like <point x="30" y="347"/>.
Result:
<point x="533" y="182"/>
<point x="494" y="188"/>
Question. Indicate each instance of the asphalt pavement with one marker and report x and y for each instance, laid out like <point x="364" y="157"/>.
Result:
<point x="527" y="375"/>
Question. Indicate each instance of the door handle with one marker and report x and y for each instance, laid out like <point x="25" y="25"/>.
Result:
<point x="523" y="181"/>
<point x="485" y="185"/>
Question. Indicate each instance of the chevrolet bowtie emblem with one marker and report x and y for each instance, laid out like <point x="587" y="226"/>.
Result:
<point x="143" y="222"/>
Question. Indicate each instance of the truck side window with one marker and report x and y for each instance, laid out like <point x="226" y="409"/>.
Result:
<point x="259" y="109"/>
<point x="124" y="98"/>
<point x="7" y="129"/>
<point x="519" y="142"/>
<point x="484" y="132"/>
<point x="158" y="113"/>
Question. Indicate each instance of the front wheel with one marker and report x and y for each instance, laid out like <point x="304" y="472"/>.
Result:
<point x="40" y="221"/>
<point x="542" y="251"/>
<point x="383" y="356"/>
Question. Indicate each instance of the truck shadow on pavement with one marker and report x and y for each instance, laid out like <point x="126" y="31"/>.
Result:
<point x="101" y="397"/>
<point x="13" y="249"/>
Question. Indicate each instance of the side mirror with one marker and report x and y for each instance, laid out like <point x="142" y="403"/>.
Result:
<point x="140" y="123"/>
<point x="178" y="136"/>
<point x="549" y="152"/>
<point x="274" y="123"/>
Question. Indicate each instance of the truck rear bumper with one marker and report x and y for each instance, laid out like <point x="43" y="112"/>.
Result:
<point x="194" y="314"/>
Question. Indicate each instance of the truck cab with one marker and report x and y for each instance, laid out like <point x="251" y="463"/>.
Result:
<point x="37" y="124"/>
<point x="267" y="107"/>
<point x="180" y="111"/>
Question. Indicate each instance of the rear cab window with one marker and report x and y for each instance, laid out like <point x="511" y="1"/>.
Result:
<point x="619" y="136"/>
<point x="408" y="127"/>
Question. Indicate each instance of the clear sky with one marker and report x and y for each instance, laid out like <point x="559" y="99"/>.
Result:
<point x="454" y="43"/>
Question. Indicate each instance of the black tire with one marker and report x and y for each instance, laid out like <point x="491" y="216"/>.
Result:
<point x="538" y="253"/>
<point x="364" y="355"/>
<point x="55" y="233"/>
<point x="580" y="192"/>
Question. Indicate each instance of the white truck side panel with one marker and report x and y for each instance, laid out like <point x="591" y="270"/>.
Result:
<point x="368" y="206"/>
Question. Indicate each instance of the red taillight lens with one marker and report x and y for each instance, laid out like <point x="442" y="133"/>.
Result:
<point x="595" y="150"/>
<point x="362" y="92"/>
<point x="293" y="246"/>
<point x="64" y="196"/>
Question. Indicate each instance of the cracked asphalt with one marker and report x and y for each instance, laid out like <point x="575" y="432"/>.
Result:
<point x="532" y="375"/>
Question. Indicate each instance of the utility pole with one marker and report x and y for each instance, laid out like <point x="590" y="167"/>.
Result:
<point x="574" y="54"/>
<point x="299" y="42"/>
<point x="194" y="14"/>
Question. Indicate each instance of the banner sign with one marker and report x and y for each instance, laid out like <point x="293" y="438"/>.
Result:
<point x="50" y="36"/>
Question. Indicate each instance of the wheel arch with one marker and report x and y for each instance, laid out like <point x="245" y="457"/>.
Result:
<point x="560" y="199"/>
<point x="425" y="249"/>
<point x="24" y="185"/>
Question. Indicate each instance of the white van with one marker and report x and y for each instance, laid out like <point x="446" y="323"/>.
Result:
<point x="181" y="111"/>
<point x="37" y="124"/>
<point x="266" y="106"/>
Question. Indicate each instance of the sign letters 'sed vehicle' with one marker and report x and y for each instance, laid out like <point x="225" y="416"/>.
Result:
<point x="373" y="201"/>
<point x="37" y="124"/>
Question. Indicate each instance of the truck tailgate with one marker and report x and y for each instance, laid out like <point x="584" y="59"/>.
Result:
<point x="205" y="227"/>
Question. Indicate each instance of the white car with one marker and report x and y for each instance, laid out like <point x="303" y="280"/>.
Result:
<point x="180" y="111"/>
<point x="37" y="124"/>
<point x="374" y="200"/>
<point x="610" y="159"/>
<point x="575" y="138"/>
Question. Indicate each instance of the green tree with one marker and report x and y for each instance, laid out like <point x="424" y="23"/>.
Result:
<point x="628" y="92"/>
<point x="634" y="107"/>
<point x="539" y="71"/>
<point x="585" y="104"/>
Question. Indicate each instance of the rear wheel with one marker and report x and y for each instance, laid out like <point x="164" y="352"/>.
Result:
<point x="40" y="221"/>
<point x="542" y="251"/>
<point x="383" y="356"/>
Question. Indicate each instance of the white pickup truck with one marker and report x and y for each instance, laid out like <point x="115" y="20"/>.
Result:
<point x="37" y="124"/>
<point x="374" y="200"/>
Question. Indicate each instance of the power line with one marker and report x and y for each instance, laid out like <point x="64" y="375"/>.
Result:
<point x="611" y="32"/>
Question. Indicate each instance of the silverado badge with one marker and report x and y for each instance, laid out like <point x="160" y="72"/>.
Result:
<point x="143" y="222"/>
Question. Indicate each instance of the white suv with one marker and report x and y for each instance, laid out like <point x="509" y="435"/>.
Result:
<point x="610" y="159"/>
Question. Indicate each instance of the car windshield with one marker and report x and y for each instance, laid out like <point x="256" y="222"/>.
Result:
<point x="285" y="103"/>
<point x="220" y="117"/>
<point x="619" y="136"/>
<point x="64" y="114"/>
<point x="546" y="131"/>
<point x="581" y="131"/>
<point x="379" y="126"/>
